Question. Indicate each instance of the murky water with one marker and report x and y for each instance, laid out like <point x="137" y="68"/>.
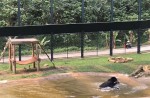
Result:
<point x="73" y="86"/>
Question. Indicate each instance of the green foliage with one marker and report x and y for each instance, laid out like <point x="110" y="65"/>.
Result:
<point x="43" y="42"/>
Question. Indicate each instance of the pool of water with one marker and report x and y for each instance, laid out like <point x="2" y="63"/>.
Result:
<point x="74" y="86"/>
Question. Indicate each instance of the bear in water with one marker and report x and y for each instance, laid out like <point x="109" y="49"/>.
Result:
<point x="110" y="83"/>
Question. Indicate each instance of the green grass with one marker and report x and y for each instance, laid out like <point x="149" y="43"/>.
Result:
<point x="88" y="64"/>
<point x="100" y="64"/>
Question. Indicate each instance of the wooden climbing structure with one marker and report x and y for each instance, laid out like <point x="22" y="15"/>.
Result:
<point x="35" y="53"/>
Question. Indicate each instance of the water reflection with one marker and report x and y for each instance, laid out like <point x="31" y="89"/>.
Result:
<point x="79" y="86"/>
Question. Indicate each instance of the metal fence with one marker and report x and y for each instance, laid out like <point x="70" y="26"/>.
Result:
<point x="84" y="32"/>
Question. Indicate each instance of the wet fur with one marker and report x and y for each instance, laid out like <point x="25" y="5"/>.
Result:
<point x="110" y="83"/>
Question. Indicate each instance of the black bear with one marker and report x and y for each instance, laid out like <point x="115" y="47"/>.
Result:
<point x="110" y="83"/>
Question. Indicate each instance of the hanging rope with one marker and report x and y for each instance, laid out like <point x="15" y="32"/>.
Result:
<point x="46" y="54"/>
<point x="2" y="53"/>
<point x="6" y="45"/>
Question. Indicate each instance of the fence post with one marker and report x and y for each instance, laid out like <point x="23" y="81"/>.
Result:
<point x="139" y="33"/>
<point x="52" y="21"/>
<point x="82" y="33"/>
<point x="67" y="44"/>
<point x="19" y="24"/>
<point x="97" y="42"/>
<point x="111" y="32"/>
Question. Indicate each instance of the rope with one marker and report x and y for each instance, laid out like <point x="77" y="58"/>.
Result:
<point x="6" y="45"/>
<point x="46" y="54"/>
<point x="2" y="53"/>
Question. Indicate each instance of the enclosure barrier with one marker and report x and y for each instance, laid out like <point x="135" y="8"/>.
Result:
<point x="73" y="28"/>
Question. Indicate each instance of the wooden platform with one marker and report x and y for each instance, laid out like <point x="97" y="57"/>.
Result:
<point x="25" y="40"/>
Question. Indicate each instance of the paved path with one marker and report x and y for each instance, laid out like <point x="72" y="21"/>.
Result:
<point x="90" y="53"/>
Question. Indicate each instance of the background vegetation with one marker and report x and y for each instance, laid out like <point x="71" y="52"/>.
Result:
<point x="37" y="12"/>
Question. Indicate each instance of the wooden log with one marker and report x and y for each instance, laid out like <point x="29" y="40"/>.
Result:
<point x="10" y="57"/>
<point x="137" y="71"/>
<point x="114" y="61"/>
<point x="14" y="67"/>
<point x="130" y="59"/>
<point x="33" y="54"/>
<point x="146" y="68"/>
<point x="38" y="61"/>
<point x="14" y="60"/>
<point x="119" y="59"/>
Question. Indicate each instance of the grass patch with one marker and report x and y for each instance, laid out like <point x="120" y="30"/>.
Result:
<point x="101" y="64"/>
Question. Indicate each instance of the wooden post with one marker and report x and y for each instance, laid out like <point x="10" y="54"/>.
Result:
<point x="10" y="57"/>
<point x="38" y="61"/>
<point x="14" y="60"/>
<point x="33" y="54"/>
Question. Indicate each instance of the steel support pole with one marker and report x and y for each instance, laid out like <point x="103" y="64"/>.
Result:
<point x="97" y="42"/>
<point x="111" y="32"/>
<point x="139" y="33"/>
<point x="67" y="44"/>
<point x="52" y="21"/>
<point x="82" y="33"/>
<point x="19" y="24"/>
